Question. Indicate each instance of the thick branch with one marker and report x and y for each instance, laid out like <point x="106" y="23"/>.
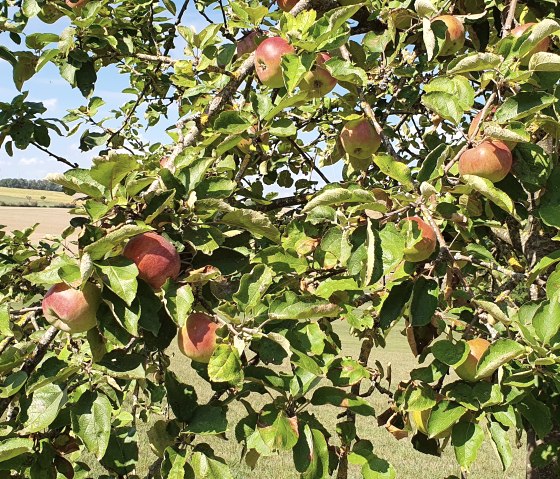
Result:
<point x="509" y="19"/>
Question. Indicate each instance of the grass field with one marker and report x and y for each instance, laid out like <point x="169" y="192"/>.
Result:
<point x="25" y="197"/>
<point x="409" y="464"/>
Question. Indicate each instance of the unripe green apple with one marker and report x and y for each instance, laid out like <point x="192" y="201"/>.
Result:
<point x="467" y="369"/>
<point x="268" y="61"/>
<point x="424" y="248"/>
<point x="359" y="139"/>
<point x="318" y="82"/>
<point x="197" y="338"/>
<point x="72" y="310"/>
<point x="155" y="257"/>
<point x="491" y="159"/>
<point x="454" y="36"/>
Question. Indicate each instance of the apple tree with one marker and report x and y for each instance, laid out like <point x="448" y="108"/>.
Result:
<point x="418" y="143"/>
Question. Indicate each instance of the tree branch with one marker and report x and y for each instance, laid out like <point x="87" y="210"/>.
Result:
<point x="32" y="362"/>
<point x="509" y="19"/>
<point x="53" y="155"/>
<point x="309" y="160"/>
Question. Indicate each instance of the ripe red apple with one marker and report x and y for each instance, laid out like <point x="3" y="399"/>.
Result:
<point x="467" y="369"/>
<point x="247" y="44"/>
<point x="268" y="59"/>
<point x="71" y="310"/>
<point x="287" y="5"/>
<point x="156" y="258"/>
<point x="318" y="82"/>
<point x="197" y="338"/>
<point x="359" y="138"/>
<point x="454" y="36"/>
<point x="77" y="3"/>
<point x="491" y="160"/>
<point x="542" y="46"/>
<point x="424" y="248"/>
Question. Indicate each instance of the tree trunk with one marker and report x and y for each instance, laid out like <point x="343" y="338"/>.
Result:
<point x="548" y="472"/>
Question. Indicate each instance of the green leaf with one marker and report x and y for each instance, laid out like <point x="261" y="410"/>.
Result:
<point x="489" y="191"/>
<point x="445" y="105"/>
<point x="378" y="468"/>
<point x="450" y="353"/>
<point x="91" y="421"/>
<point x="537" y="413"/>
<point x="522" y="105"/>
<point x="121" y="274"/>
<point x="12" y="384"/>
<point x="394" y="169"/>
<point x="474" y="62"/>
<point x="178" y="301"/>
<point x="501" y="444"/>
<point x="459" y="87"/>
<point x="293" y="69"/>
<point x="466" y="437"/>
<point x="252" y="287"/>
<point x="498" y="354"/>
<point x="205" y="467"/>
<point x="15" y="446"/>
<point x="311" y="454"/>
<point x="539" y="32"/>
<point x="544" y="62"/>
<point x="225" y="365"/>
<point x="339" y="397"/>
<point x="174" y="464"/>
<point x="544" y="263"/>
<point x="343" y="70"/>
<point x="231" y="123"/>
<point x="330" y="286"/>
<point x="424" y="301"/>
<point x="98" y="249"/>
<point x="181" y="397"/>
<point x="122" y="365"/>
<point x="293" y="306"/>
<point x="45" y="405"/>
<point x="392" y="307"/>
<point x="208" y="420"/>
<point x="255" y="222"/>
<point x="283" y="127"/>
<point x="110" y="170"/>
<point x="547" y="320"/>
<point x="443" y="416"/>
<point x="334" y="196"/>
<point x="122" y="451"/>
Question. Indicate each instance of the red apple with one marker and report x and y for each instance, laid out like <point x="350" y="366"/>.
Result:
<point x="71" y="310"/>
<point x="197" y="338"/>
<point x="542" y="46"/>
<point x="268" y="60"/>
<point x="77" y="3"/>
<point x="156" y="258"/>
<point x="491" y="160"/>
<point x="318" y="82"/>
<point x="467" y="369"/>
<point x="247" y="44"/>
<point x="287" y="5"/>
<point x="454" y="36"/>
<point x="424" y="248"/>
<point x="474" y="125"/>
<point x="359" y="138"/>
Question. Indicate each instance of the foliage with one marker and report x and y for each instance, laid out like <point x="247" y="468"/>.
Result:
<point x="276" y="272"/>
<point x="29" y="184"/>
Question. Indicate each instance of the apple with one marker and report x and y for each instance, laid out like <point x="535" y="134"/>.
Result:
<point x="247" y="44"/>
<point x="542" y="46"/>
<point x="318" y="82"/>
<point x="454" y="36"/>
<point x="467" y="369"/>
<point x="359" y="139"/>
<point x="72" y="310"/>
<point x="197" y="338"/>
<point x="156" y="258"/>
<point x="474" y="125"/>
<point x="287" y="5"/>
<point x="268" y="60"/>
<point x="491" y="159"/>
<point x="424" y="248"/>
<point x="77" y="3"/>
<point x="245" y="144"/>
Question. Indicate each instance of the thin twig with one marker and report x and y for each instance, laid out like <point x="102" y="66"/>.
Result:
<point x="309" y="160"/>
<point x="55" y="156"/>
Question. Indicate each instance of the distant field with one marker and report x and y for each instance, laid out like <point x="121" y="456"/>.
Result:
<point x="25" y="197"/>
<point x="52" y="221"/>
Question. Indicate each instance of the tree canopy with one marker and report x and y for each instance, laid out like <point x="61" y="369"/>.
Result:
<point x="422" y="196"/>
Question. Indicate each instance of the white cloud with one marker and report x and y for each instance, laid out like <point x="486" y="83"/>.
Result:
<point x="29" y="161"/>
<point x="50" y="103"/>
